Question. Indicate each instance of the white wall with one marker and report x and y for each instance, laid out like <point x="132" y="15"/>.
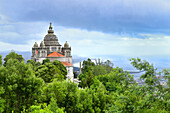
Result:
<point x="61" y="59"/>
<point x="40" y="60"/>
<point x="70" y="74"/>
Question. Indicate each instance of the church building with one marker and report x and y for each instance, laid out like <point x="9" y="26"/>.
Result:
<point x="50" y="48"/>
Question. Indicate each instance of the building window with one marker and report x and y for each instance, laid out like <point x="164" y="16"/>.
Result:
<point x="43" y="54"/>
<point x="48" y="48"/>
<point x="53" y="48"/>
<point x="68" y="53"/>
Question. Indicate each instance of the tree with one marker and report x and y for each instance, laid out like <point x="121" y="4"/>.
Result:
<point x="48" y="72"/>
<point x="166" y="73"/>
<point x="108" y="65"/>
<point x="44" y="108"/>
<point x="21" y="87"/>
<point x="166" y="90"/>
<point x="2" y="101"/>
<point x="98" y="61"/>
<point x="99" y="95"/>
<point x="37" y="64"/>
<point x="13" y="55"/>
<point x="75" y="74"/>
<point x="86" y="78"/>
<point x="0" y="60"/>
<point x="85" y="102"/>
<point x="61" y="67"/>
<point x="151" y="81"/>
<point x="32" y="62"/>
<point x="150" y="71"/>
<point x="87" y="64"/>
<point x="155" y="92"/>
<point x="117" y="79"/>
<point x="65" y="92"/>
<point x="46" y="61"/>
<point x="116" y="91"/>
<point x="99" y="70"/>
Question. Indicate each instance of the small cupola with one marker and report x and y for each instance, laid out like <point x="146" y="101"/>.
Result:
<point x="35" y="45"/>
<point x="42" y="45"/>
<point x="66" y="45"/>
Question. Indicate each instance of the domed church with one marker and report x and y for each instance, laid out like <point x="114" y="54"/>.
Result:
<point x="50" y="48"/>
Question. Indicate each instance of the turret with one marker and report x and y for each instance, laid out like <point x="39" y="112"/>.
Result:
<point x="66" y="50"/>
<point x="35" y="45"/>
<point x="42" y="45"/>
<point x="34" y="49"/>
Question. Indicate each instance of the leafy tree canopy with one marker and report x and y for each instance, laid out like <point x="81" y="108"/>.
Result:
<point x="20" y="86"/>
<point x="40" y="88"/>
<point x="61" y="67"/>
<point x="0" y="60"/>
<point x="13" y="55"/>
<point x="48" y="72"/>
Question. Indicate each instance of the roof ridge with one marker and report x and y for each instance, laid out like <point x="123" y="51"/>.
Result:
<point x="55" y="54"/>
<point x="66" y="64"/>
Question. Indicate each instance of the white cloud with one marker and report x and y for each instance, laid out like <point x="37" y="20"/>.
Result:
<point x="87" y="43"/>
<point x="7" y="46"/>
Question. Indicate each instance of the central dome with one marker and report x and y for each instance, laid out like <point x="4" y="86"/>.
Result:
<point x="51" y="39"/>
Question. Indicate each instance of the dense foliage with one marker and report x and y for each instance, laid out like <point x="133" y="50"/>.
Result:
<point x="41" y="88"/>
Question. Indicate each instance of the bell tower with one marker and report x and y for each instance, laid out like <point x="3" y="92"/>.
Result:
<point x="67" y="52"/>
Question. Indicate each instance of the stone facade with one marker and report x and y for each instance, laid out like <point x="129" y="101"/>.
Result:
<point x="50" y="48"/>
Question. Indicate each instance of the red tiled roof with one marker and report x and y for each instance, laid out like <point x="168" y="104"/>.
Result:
<point x="66" y="64"/>
<point x="55" y="54"/>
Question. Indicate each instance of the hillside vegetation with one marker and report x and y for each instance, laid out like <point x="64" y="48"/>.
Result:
<point x="42" y="88"/>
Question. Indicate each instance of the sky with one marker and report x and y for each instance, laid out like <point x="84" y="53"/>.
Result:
<point x="91" y="27"/>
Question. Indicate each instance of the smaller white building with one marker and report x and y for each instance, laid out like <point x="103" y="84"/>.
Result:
<point x="51" y="49"/>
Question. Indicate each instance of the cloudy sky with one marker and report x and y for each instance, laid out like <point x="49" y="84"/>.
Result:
<point x="91" y="27"/>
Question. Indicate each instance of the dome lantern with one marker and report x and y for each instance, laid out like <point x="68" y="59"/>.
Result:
<point x="50" y="31"/>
